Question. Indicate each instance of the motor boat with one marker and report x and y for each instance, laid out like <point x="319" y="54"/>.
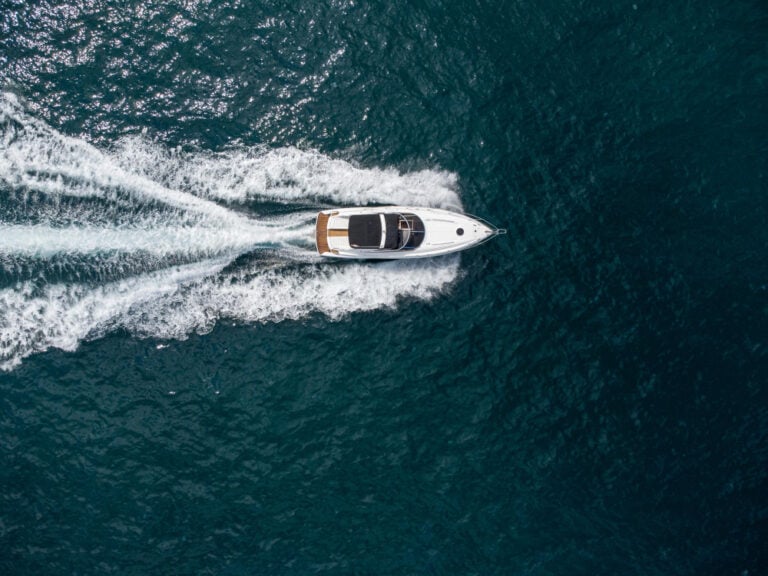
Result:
<point x="398" y="232"/>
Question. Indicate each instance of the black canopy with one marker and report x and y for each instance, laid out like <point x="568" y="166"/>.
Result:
<point x="365" y="231"/>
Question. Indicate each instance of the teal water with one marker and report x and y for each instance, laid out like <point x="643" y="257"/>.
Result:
<point x="187" y="389"/>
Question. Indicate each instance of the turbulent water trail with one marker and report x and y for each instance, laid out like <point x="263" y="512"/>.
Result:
<point x="152" y="240"/>
<point x="46" y="241"/>
<point x="285" y="175"/>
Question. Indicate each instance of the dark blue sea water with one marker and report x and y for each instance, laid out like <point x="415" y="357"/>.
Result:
<point x="187" y="389"/>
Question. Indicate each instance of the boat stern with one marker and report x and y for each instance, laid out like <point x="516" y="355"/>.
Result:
<point x="321" y="234"/>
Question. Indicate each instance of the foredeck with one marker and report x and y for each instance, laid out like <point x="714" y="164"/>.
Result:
<point x="321" y="233"/>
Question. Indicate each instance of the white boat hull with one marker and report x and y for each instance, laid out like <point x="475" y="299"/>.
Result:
<point x="423" y="232"/>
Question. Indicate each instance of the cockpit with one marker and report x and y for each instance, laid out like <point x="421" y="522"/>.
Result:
<point x="385" y="231"/>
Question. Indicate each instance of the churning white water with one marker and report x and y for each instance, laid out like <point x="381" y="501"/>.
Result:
<point x="163" y="242"/>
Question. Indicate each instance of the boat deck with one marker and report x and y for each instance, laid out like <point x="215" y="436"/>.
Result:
<point x="321" y="233"/>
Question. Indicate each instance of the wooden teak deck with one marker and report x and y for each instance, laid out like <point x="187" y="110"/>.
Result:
<point x="321" y="233"/>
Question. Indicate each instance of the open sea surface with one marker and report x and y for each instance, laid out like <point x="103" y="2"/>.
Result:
<point x="187" y="388"/>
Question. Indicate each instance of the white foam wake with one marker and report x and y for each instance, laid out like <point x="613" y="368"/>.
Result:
<point x="61" y="316"/>
<point x="60" y="196"/>
<point x="178" y="301"/>
<point x="285" y="175"/>
<point x="46" y="241"/>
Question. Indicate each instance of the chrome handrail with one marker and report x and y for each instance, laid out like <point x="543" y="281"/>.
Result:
<point x="496" y="230"/>
<point x="410" y="230"/>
